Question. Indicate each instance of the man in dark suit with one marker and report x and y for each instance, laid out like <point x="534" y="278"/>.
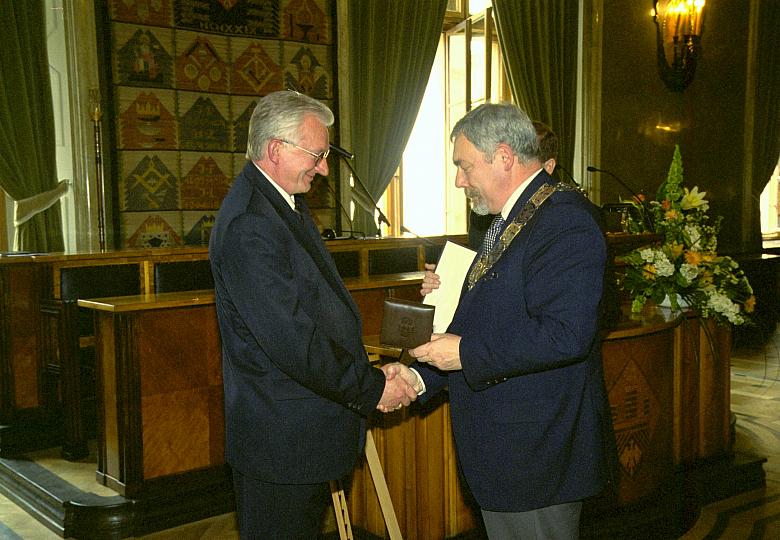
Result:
<point x="297" y="381"/>
<point x="522" y="357"/>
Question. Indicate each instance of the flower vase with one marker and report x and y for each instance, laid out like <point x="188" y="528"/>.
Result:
<point x="667" y="302"/>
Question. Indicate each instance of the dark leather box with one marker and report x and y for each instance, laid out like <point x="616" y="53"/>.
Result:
<point x="405" y="323"/>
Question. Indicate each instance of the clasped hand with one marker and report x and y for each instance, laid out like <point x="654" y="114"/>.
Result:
<point x="400" y="387"/>
<point x="442" y="351"/>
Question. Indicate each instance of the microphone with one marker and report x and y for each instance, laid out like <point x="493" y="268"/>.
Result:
<point x="631" y="190"/>
<point x="329" y="234"/>
<point x="646" y="217"/>
<point x="369" y="205"/>
<point x="340" y="151"/>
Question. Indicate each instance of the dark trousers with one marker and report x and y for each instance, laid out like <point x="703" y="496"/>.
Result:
<point x="558" y="522"/>
<point x="267" y="511"/>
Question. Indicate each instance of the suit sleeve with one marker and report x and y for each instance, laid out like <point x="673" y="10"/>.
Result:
<point x="282" y="306"/>
<point x="544" y="312"/>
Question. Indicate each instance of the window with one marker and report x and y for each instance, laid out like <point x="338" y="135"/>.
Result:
<point x="770" y="207"/>
<point x="72" y="51"/>
<point x="468" y="71"/>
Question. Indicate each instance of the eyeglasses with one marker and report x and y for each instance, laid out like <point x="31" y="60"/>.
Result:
<point x="317" y="157"/>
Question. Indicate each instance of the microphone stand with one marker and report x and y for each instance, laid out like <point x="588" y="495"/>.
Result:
<point x="646" y="217"/>
<point x="426" y="241"/>
<point x="344" y="210"/>
<point x="571" y="177"/>
<point x="347" y="157"/>
<point x="633" y="192"/>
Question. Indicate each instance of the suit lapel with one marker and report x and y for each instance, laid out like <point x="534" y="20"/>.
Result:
<point x="321" y="255"/>
<point x="525" y="196"/>
<point x="305" y="232"/>
<point x="528" y="192"/>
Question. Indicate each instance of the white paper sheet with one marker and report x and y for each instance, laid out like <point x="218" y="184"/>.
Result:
<point x="454" y="263"/>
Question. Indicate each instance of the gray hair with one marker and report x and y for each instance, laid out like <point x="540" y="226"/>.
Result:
<point x="279" y="115"/>
<point x="493" y="123"/>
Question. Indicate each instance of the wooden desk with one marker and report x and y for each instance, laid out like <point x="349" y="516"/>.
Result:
<point x="161" y="421"/>
<point x="667" y="379"/>
<point x="31" y="408"/>
<point x="162" y="427"/>
<point x="159" y="387"/>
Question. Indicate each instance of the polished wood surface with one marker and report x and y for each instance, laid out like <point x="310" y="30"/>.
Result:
<point x="638" y="371"/>
<point x="122" y="304"/>
<point x="664" y="374"/>
<point x="160" y="396"/>
<point x="662" y="370"/>
<point x="670" y="408"/>
<point x="160" y="383"/>
<point x="31" y="405"/>
<point x="19" y="380"/>
<point x="161" y="409"/>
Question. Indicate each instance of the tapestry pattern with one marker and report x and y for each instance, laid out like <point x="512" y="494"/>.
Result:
<point x="186" y="76"/>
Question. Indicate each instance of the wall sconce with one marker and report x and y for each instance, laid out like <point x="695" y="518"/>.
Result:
<point x="680" y="27"/>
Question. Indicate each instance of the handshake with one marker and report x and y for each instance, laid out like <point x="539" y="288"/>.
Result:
<point x="402" y="386"/>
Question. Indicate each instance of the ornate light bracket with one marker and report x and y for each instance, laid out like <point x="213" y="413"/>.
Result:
<point x="686" y="48"/>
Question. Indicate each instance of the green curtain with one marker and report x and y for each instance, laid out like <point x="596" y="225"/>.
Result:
<point x="538" y="39"/>
<point x="27" y="159"/>
<point x="392" y="48"/>
<point x="766" y="138"/>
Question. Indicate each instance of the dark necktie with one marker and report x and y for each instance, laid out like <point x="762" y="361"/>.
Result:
<point x="492" y="233"/>
<point x="298" y="207"/>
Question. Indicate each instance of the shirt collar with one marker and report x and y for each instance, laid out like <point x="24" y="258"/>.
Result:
<point x="510" y="202"/>
<point x="287" y="197"/>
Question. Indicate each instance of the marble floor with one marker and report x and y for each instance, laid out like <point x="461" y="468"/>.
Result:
<point x="754" y="515"/>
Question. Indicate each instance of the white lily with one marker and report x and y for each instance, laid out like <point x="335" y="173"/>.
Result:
<point x="693" y="199"/>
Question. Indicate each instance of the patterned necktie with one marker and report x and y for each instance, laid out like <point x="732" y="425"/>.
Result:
<point x="492" y="233"/>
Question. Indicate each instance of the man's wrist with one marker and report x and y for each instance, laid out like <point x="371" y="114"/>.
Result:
<point x="419" y="386"/>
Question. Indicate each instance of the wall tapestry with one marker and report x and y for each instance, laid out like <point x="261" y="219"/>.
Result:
<point x="185" y="76"/>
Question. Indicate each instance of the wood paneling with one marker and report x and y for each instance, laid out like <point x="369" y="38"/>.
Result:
<point x="24" y="335"/>
<point x="161" y="429"/>
<point x="638" y="373"/>
<point x="416" y="450"/>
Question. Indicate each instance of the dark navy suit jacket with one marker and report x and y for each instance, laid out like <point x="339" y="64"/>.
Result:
<point x="296" y="376"/>
<point x="529" y="409"/>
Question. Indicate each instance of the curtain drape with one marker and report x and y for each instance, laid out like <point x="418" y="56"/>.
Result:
<point x="392" y="48"/>
<point x="766" y="138"/>
<point x="538" y="39"/>
<point x="27" y="158"/>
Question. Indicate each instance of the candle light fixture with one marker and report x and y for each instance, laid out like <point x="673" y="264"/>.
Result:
<point x="678" y="25"/>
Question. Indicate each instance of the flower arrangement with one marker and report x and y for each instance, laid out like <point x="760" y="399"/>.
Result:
<point x="683" y="265"/>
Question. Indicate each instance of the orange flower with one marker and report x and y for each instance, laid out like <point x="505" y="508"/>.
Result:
<point x="693" y="258"/>
<point x="666" y="204"/>
<point x="750" y="304"/>
<point x="671" y="214"/>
